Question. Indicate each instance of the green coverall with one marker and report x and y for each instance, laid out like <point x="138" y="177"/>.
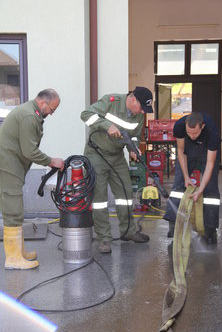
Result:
<point x="20" y="136"/>
<point x="111" y="109"/>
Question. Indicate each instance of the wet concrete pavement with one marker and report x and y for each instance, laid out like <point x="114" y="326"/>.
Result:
<point x="139" y="274"/>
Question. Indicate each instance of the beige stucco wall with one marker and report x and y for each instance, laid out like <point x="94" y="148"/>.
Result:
<point x="157" y="20"/>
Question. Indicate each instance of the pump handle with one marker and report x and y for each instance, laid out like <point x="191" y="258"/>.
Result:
<point x="45" y="179"/>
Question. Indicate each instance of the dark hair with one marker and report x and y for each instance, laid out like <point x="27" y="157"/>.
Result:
<point x="48" y="94"/>
<point x="193" y="119"/>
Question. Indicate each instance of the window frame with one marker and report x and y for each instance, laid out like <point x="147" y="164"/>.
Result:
<point x="20" y="39"/>
<point x="156" y="56"/>
<point x="187" y="76"/>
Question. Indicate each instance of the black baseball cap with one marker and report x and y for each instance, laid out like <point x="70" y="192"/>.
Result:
<point x="145" y="97"/>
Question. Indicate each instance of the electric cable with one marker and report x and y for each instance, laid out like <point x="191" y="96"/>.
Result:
<point x="136" y="197"/>
<point x="19" y="298"/>
<point x="79" y="193"/>
<point x="58" y="235"/>
<point x="59" y="246"/>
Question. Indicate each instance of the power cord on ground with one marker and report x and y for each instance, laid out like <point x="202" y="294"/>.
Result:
<point x="21" y="296"/>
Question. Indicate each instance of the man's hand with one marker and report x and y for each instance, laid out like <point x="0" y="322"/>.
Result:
<point x="114" y="131"/>
<point x="188" y="182"/>
<point x="133" y="155"/>
<point x="58" y="163"/>
<point x="196" y="195"/>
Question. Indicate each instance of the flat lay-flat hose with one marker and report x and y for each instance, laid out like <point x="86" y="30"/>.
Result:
<point x="189" y="215"/>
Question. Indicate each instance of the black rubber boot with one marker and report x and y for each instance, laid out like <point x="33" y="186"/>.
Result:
<point x="170" y="233"/>
<point x="211" y="235"/>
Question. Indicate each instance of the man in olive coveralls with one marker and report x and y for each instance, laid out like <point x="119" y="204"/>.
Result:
<point x="20" y="136"/>
<point x="108" y="116"/>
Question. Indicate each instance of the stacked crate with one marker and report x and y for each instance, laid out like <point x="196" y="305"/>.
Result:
<point x="156" y="162"/>
<point x="160" y="133"/>
<point x="161" y="130"/>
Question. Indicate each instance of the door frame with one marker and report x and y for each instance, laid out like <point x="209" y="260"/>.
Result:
<point x="186" y="77"/>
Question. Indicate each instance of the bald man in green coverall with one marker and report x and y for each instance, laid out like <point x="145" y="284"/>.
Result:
<point x="20" y="137"/>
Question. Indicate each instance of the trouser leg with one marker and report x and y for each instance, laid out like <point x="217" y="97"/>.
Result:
<point x="122" y="191"/>
<point x="100" y="210"/>
<point x="101" y="224"/>
<point x="173" y="202"/>
<point x="11" y="197"/>
<point x="104" y="176"/>
<point x="211" y="204"/>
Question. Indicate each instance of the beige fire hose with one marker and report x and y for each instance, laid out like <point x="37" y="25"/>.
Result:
<point x="189" y="215"/>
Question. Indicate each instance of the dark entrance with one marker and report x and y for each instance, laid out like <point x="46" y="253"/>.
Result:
<point x="206" y="98"/>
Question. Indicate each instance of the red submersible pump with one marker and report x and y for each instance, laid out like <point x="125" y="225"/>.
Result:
<point x="73" y="197"/>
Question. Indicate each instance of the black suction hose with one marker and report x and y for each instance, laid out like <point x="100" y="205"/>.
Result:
<point x="83" y="187"/>
<point x="45" y="179"/>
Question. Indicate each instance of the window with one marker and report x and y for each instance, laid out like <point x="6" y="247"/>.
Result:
<point x="204" y="59"/>
<point x="187" y="58"/>
<point x="187" y="78"/>
<point x="171" y="59"/>
<point x="13" y="72"/>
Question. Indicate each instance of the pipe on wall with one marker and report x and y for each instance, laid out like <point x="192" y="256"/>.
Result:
<point x="93" y="52"/>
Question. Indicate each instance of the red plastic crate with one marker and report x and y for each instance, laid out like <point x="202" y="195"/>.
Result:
<point x="157" y="173"/>
<point x="161" y="130"/>
<point x="195" y="177"/>
<point x="156" y="160"/>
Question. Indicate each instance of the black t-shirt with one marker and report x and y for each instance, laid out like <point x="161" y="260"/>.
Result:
<point x="210" y="134"/>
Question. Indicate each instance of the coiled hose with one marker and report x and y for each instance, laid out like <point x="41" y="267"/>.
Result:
<point x="80" y="193"/>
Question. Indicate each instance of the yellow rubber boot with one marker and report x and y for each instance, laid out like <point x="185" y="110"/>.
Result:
<point x="31" y="255"/>
<point x="13" y="250"/>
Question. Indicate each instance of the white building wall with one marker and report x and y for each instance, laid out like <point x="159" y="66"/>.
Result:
<point x="58" y="54"/>
<point x="113" y="73"/>
<point x="58" y="57"/>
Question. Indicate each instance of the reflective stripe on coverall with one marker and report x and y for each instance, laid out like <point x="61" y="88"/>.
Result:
<point x="105" y="175"/>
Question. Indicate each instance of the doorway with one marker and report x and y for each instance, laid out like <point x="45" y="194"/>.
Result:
<point x="175" y="100"/>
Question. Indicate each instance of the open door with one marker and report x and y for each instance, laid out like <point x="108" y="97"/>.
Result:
<point x="206" y="98"/>
<point x="164" y="101"/>
<point x="174" y="100"/>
